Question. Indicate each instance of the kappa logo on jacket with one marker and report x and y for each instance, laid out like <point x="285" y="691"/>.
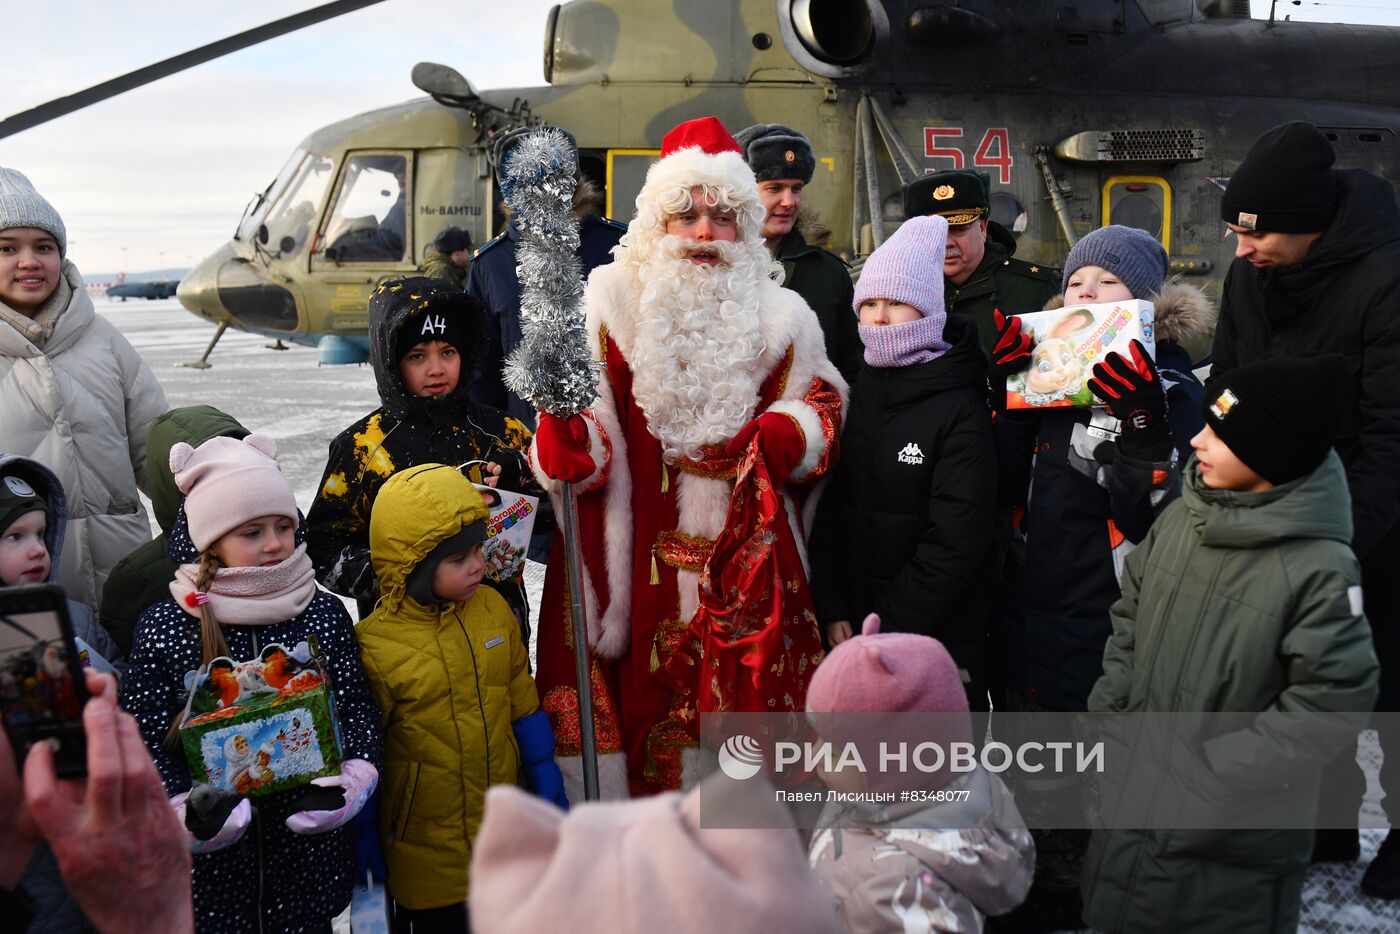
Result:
<point x="911" y="454"/>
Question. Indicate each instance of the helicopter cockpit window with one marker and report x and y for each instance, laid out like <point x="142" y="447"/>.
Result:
<point x="257" y="208"/>
<point x="371" y="213"/>
<point x="293" y="213"/>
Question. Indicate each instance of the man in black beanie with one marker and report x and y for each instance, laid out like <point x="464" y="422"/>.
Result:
<point x="1317" y="270"/>
<point x="783" y="162"/>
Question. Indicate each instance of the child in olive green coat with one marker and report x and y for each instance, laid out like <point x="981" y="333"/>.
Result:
<point x="1245" y="596"/>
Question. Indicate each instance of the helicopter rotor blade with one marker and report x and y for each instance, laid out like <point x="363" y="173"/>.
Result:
<point x="134" y="79"/>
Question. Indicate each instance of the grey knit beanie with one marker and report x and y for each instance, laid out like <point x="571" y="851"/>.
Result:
<point x="22" y="206"/>
<point x="1132" y="255"/>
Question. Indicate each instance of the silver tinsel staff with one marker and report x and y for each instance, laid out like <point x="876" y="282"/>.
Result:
<point x="552" y="367"/>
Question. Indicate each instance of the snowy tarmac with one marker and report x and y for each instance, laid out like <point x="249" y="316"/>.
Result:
<point x="285" y="395"/>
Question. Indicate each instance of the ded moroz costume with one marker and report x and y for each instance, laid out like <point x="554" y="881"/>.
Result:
<point x="718" y="412"/>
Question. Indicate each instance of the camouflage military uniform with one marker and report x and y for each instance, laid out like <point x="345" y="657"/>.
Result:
<point x="438" y="266"/>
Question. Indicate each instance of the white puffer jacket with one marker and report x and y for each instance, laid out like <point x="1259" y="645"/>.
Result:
<point x="75" y="396"/>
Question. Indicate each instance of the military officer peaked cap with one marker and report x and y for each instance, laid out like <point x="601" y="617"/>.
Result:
<point x="961" y="197"/>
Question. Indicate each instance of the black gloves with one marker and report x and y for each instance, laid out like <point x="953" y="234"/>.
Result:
<point x="319" y="798"/>
<point x="1131" y="390"/>
<point x="513" y="467"/>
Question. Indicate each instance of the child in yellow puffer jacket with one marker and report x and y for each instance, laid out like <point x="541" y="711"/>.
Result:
<point x="447" y="667"/>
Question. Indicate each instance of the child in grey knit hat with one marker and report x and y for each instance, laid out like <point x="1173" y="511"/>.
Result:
<point x="75" y="392"/>
<point x="1084" y="485"/>
<point x="1125" y="256"/>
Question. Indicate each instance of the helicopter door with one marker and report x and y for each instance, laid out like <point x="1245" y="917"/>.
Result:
<point x="369" y="223"/>
<point x="1141" y="201"/>
<point x="450" y="190"/>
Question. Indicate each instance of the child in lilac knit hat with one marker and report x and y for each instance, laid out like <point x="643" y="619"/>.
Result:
<point x="914" y="494"/>
<point x="899" y="297"/>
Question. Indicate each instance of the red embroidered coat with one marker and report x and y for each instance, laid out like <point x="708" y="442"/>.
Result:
<point x="647" y="530"/>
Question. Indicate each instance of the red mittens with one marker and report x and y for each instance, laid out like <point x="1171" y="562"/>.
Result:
<point x="561" y="446"/>
<point x="780" y="441"/>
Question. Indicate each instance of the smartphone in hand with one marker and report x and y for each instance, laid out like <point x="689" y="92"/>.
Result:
<point x="41" y="681"/>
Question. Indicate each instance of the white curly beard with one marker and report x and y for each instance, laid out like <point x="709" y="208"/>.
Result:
<point x="698" y="340"/>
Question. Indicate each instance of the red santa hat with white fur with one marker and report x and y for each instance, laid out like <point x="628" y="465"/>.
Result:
<point x="700" y="152"/>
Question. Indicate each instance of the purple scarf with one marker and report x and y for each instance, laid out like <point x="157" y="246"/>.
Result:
<point x="893" y="345"/>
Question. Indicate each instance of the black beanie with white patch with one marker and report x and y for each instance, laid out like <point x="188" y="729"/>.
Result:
<point x="18" y="498"/>
<point x="1285" y="183"/>
<point x="1279" y="416"/>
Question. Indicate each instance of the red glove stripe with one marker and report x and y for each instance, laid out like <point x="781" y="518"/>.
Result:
<point x="1101" y="389"/>
<point x="1122" y="372"/>
<point x="1141" y="361"/>
<point x="1011" y="334"/>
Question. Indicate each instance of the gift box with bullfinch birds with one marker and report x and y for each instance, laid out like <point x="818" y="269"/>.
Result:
<point x="262" y="725"/>
<point x="1066" y="345"/>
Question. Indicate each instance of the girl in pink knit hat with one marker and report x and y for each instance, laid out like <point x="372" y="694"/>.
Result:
<point x="244" y="583"/>
<point x="915" y="491"/>
<point x="940" y="865"/>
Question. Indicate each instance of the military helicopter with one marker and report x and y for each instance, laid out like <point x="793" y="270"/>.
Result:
<point x="1080" y="114"/>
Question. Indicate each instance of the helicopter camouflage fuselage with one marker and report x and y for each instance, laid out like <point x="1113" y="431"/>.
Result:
<point x="1081" y="114"/>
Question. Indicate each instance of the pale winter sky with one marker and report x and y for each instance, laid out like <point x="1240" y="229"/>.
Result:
<point x="166" y="170"/>
<point x="159" y="176"/>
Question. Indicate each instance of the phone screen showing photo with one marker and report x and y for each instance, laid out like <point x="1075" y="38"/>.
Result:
<point x="41" y="683"/>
